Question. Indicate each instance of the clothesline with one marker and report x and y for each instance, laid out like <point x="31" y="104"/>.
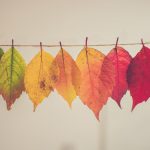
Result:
<point x="71" y="45"/>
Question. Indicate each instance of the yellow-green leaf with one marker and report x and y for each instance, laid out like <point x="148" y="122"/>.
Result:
<point x="12" y="68"/>
<point x="1" y="52"/>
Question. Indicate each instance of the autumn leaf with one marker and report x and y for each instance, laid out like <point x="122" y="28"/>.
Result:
<point x="65" y="76"/>
<point x="11" y="76"/>
<point x="97" y="78"/>
<point x="1" y="53"/>
<point x="121" y="60"/>
<point x="138" y="76"/>
<point x="37" y="77"/>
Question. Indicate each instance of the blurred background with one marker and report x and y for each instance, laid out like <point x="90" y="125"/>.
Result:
<point x="54" y="126"/>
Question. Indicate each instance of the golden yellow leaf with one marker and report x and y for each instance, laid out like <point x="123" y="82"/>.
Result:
<point x="37" y="77"/>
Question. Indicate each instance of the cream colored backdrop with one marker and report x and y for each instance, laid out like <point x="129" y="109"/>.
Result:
<point x="54" y="126"/>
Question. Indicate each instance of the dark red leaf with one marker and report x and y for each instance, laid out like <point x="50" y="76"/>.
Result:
<point x="138" y="76"/>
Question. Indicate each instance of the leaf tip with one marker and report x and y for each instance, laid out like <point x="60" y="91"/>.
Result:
<point x="34" y="107"/>
<point x="97" y="116"/>
<point x="119" y="105"/>
<point x="9" y="105"/>
<point x="70" y="105"/>
<point x="133" y="107"/>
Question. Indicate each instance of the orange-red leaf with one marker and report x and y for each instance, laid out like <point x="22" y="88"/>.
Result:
<point x="97" y="78"/>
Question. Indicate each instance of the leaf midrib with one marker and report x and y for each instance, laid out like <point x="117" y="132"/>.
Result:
<point x="11" y="72"/>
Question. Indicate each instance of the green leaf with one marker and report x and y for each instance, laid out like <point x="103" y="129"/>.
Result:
<point x="11" y="76"/>
<point x="1" y="53"/>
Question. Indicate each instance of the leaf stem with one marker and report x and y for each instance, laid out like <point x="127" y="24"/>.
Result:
<point x="41" y="51"/>
<point x="87" y="51"/>
<point x="142" y="42"/>
<point x="116" y="42"/>
<point x="41" y="64"/>
<point x="62" y="53"/>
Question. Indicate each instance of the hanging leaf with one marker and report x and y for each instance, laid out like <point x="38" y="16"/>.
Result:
<point x="120" y="59"/>
<point x="37" y="77"/>
<point x="11" y="76"/>
<point x="97" y="78"/>
<point x="138" y="76"/>
<point x="1" y="53"/>
<point x="65" y="76"/>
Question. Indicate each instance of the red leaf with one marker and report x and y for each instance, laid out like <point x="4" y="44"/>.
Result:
<point x="138" y="76"/>
<point x="121" y="60"/>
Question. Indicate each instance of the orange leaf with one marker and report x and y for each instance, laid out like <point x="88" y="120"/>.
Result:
<point x="97" y="78"/>
<point x="65" y="76"/>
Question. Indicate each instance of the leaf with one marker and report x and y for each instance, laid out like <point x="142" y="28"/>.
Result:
<point x="65" y="76"/>
<point x="121" y="60"/>
<point x="97" y="78"/>
<point x="37" y="77"/>
<point x="138" y="76"/>
<point x="11" y="76"/>
<point x="1" y="53"/>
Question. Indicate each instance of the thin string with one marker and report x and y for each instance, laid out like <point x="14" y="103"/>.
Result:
<point x="71" y="45"/>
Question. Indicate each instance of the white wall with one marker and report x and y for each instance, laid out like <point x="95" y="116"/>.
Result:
<point x="54" y="126"/>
